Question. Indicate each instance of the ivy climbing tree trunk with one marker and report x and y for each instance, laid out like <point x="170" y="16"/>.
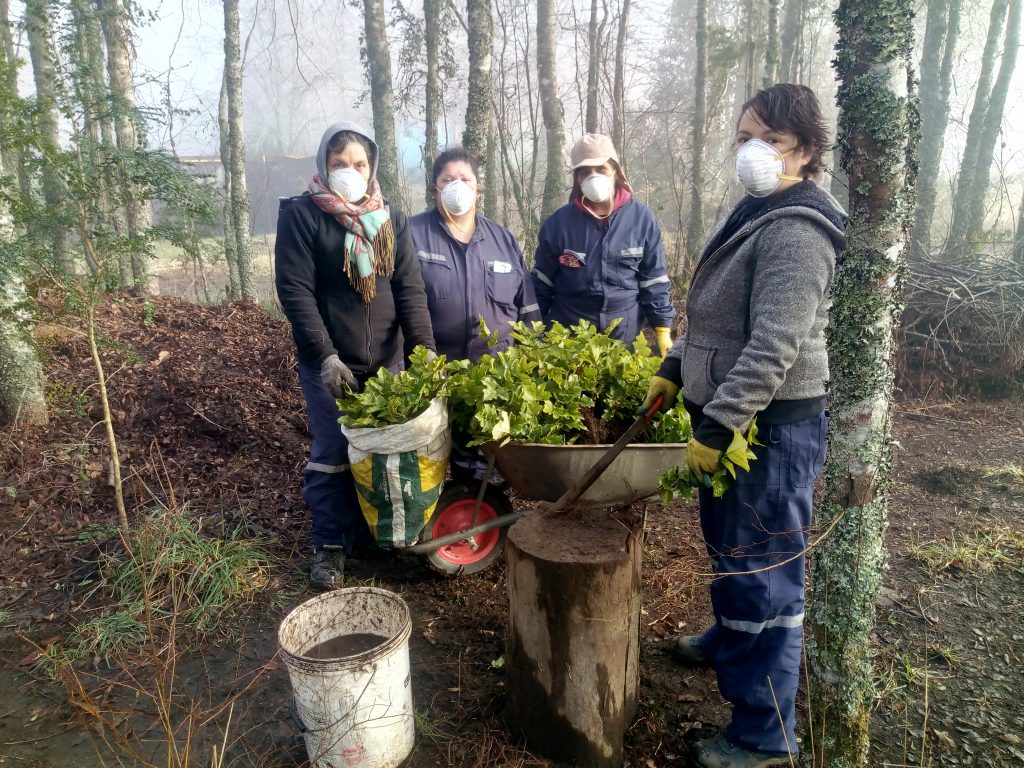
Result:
<point x="432" y="10"/>
<point x="37" y="25"/>
<point x="878" y="135"/>
<point x="992" y="125"/>
<point x="138" y="212"/>
<point x="239" y="200"/>
<point x="478" y="108"/>
<point x="551" y="107"/>
<point x="695" y="226"/>
<point x="234" y="290"/>
<point x="382" y="99"/>
<point x="619" y="87"/>
<point x="771" y="59"/>
<point x="942" y="30"/>
<point x="22" y="398"/>
<point x="959" y="234"/>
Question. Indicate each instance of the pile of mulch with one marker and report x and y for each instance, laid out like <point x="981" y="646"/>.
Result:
<point x="206" y="407"/>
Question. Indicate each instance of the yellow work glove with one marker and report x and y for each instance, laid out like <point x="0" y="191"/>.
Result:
<point x="659" y="386"/>
<point x="701" y="458"/>
<point x="663" y="335"/>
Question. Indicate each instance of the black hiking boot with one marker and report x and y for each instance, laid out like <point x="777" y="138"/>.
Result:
<point x="719" y="752"/>
<point x="327" y="568"/>
<point x="687" y="650"/>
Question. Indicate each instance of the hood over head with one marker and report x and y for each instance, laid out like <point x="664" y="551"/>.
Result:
<point x="344" y="125"/>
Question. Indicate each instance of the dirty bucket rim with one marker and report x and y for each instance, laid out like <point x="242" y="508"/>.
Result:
<point x="357" y="659"/>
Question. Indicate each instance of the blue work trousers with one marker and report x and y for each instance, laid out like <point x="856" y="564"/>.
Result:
<point x="329" y="489"/>
<point x="756" y="536"/>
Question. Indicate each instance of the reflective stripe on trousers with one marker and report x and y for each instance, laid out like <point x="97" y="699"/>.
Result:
<point x="756" y="535"/>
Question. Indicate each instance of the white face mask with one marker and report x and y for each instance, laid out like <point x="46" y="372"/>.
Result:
<point x="597" y="187"/>
<point x="458" y="198"/>
<point x="761" y="167"/>
<point x="349" y="183"/>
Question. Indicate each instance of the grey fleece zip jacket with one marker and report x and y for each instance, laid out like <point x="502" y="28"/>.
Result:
<point x="757" y="310"/>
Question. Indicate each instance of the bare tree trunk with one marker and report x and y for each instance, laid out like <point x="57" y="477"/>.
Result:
<point x="695" y="226"/>
<point x="127" y="125"/>
<point x="37" y="25"/>
<point x="877" y="133"/>
<point x="378" y="59"/>
<point x="619" y="89"/>
<point x="230" y="243"/>
<point x="593" y="64"/>
<point x="479" y="105"/>
<point x="959" y="234"/>
<point x="771" y="61"/>
<point x="788" y="42"/>
<point x="432" y="10"/>
<point x="551" y="107"/>
<point x="1018" y="243"/>
<point x="749" y="76"/>
<point x="22" y="397"/>
<point x="13" y="160"/>
<point x="940" y="38"/>
<point x="992" y="125"/>
<point x="236" y="143"/>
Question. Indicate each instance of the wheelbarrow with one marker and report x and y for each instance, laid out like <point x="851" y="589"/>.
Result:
<point x="467" y="530"/>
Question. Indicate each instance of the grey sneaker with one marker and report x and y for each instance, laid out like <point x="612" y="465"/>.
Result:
<point x="327" y="568"/>
<point x="719" y="752"/>
<point x="687" y="650"/>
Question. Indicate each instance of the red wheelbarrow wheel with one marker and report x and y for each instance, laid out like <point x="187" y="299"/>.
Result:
<point x="454" y="513"/>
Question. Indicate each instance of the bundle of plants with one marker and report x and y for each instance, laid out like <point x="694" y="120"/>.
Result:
<point x="558" y="386"/>
<point x="395" y="398"/>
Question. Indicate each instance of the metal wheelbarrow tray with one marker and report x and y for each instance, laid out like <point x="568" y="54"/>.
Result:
<point x="543" y="472"/>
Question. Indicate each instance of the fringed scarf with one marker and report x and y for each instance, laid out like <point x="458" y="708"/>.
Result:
<point x="369" y="237"/>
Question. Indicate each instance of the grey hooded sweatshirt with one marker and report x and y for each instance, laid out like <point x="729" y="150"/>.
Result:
<point x="756" y="315"/>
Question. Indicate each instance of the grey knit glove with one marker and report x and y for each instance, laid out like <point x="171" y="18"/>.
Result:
<point x="337" y="377"/>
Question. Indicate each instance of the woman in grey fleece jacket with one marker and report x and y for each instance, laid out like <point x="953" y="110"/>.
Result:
<point x="755" y="348"/>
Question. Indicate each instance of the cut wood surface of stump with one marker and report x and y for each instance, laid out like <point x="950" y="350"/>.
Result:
<point x="574" y="630"/>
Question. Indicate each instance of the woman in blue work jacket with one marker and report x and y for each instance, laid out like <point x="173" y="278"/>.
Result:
<point x="600" y="257"/>
<point x="472" y="266"/>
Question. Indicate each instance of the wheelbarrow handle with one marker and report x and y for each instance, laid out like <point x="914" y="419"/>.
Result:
<point x="590" y="477"/>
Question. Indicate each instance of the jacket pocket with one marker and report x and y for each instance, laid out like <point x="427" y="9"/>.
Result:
<point x="438" y="274"/>
<point x="503" y="281"/>
<point x="697" y="383"/>
<point x="807" y="450"/>
<point x="623" y="266"/>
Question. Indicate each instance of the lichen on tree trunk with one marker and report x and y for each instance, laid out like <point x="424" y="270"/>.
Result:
<point x="878" y="134"/>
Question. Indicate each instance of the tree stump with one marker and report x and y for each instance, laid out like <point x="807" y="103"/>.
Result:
<point x="574" y="633"/>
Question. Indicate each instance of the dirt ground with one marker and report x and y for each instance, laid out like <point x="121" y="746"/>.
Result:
<point x="206" y="403"/>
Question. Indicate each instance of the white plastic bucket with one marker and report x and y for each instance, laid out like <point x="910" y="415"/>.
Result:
<point x="357" y="710"/>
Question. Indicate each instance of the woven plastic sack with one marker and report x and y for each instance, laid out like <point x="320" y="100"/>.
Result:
<point x="398" y="472"/>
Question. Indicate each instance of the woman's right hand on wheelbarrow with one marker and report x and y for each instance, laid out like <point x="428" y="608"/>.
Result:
<point x="659" y="385"/>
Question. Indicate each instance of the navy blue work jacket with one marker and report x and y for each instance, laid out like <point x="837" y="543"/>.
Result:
<point x="485" y="277"/>
<point x="602" y="269"/>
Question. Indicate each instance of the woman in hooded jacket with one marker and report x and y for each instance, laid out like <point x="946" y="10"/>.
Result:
<point x="349" y="282"/>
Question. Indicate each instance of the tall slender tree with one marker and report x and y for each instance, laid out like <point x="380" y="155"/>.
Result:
<point x="771" y="58"/>
<point x="479" y="111"/>
<point x="551" y="107"/>
<point x="128" y="129"/>
<point x="695" y="225"/>
<point x="236" y="145"/>
<point x="13" y="159"/>
<point x="593" y="68"/>
<point x="792" y="16"/>
<point x="878" y="135"/>
<point x="22" y="397"/>
<point x="959" y="234"/>
<point x="1018" y="243"/>
<point x="942" y="30"/>
<point x="382" y="99"/>
<point x="619" y="87"/>
<point x="993" y="124"/>
<point x="432" y="10"/>
<point x="42" y="53"/>
<point x="234" y="289"/>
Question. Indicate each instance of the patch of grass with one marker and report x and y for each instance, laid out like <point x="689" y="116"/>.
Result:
<point x="179" y="570"/>
<point x="97" y="532"/>
<point x="1008" y="478"/>
<point x="425" y="726"/>
<point x="105" y="636"/>
<point x="982" y="550"/>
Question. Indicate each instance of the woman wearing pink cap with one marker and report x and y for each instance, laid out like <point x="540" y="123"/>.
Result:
<point x="599" y="257"/>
